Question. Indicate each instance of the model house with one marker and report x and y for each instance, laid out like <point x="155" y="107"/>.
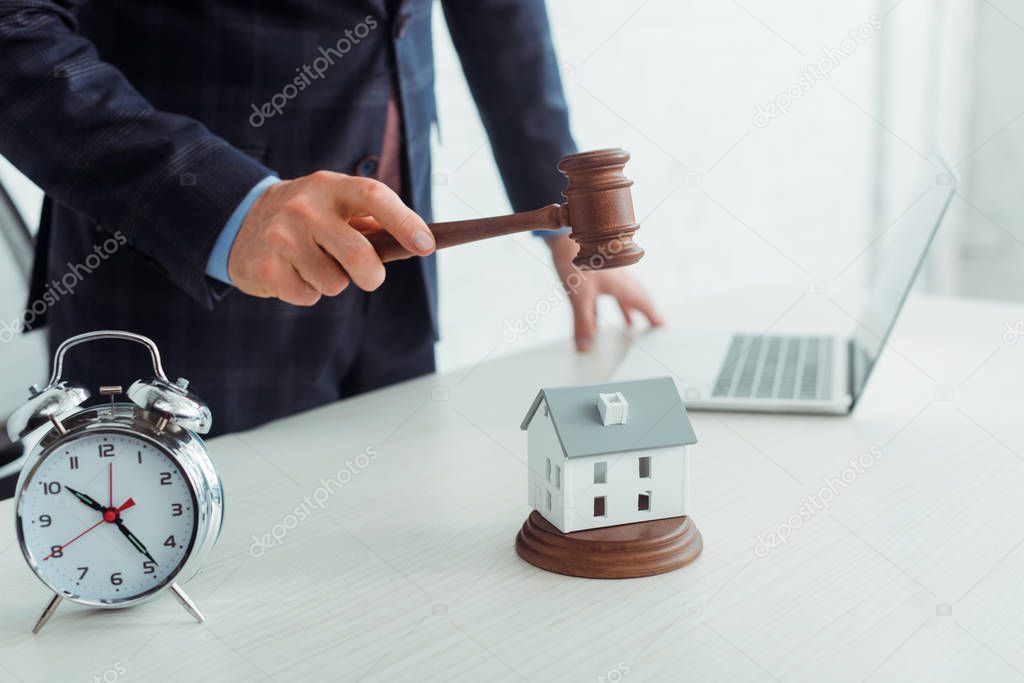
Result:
<point x="608" y="454"/>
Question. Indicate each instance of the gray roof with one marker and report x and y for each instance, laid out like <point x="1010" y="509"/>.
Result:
<point x="657" y="418"/>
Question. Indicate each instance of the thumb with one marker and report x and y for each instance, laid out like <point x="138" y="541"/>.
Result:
<point x="584" y="315"/>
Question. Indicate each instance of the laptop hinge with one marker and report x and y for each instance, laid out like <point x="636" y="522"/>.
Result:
<point x="851" y="372"/>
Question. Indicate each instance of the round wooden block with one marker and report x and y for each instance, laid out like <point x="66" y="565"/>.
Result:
<point x="616" y="552"/>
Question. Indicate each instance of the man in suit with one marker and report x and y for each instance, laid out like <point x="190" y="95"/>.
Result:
<point x="224" y="154"/>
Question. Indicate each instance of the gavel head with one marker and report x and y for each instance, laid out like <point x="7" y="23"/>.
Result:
<point x="599" y="205"/>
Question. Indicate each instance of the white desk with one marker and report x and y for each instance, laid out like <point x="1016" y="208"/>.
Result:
<point x="409" y="573"/>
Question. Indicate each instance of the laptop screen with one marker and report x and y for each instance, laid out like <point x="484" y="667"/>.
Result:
<point x="902" y="247"/>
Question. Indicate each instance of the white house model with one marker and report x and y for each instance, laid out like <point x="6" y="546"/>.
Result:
<point x="608" y="454"/>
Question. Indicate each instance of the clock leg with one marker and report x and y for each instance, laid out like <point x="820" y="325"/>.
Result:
<point x="187" y="603"/>
<point x="51" y="607"/>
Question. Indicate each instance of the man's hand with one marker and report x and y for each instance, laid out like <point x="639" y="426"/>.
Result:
<point x="302" y="239"/>
<point x="583" y="288"/>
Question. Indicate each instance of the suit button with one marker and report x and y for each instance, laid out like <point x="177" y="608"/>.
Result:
<point x="368" y="166"/>
<point x="400" y="26"/>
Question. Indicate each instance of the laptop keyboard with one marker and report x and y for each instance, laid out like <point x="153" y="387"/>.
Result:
<point x="777" y="367"/>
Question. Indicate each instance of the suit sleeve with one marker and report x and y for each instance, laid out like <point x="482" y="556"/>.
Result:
<point x="507" y="55"/>
<point x="75" y="125"/>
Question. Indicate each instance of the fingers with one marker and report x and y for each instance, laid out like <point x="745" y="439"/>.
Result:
<point x="627" y="312"/>
<point x="368" y="197"/>
<point x="640" y="301"/>
<point x="633" y="302"/>
<point x="628" y="293"/>
<point x="646" y="306"/>
<point x="355" y="254"/>
<point x="296" y="243"/>
<point x="327" y="254"/>
<point x="296" y="291"/>
<point x="364" y="224"/>
<point x="317" y="269"/>
<point x="631" y="297"/>
<point x="584" y="314"/>
<point x="284" y="282"/>
<point x="321" y="271"/>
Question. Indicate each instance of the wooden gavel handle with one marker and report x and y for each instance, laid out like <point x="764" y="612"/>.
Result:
<point x="450" y="234"/>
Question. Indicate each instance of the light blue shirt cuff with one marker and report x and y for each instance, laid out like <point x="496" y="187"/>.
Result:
<point x="217" y="264"/>
<point x="552" y="233"/>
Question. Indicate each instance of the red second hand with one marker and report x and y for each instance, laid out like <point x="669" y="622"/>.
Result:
<point x="74" y="539"/>
<point x="124" y="506"/>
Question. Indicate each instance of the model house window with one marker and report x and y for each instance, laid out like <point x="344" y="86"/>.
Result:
<point x="548" y="500"/>
<point x="558" y="477"/>
<point x="599" y="506"/>
<point x="547" y="469"/>
<point x="600" y="472"/>
<point x="645" y="467"/>
<point x="643" y="501"/>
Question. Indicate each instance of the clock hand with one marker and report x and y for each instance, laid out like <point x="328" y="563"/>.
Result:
<point x="134" y="540"/>
<point x="112" y="515"/>
<point x="108" y="516"/>
<point x="86" y="499"/>
<point x="61" y="548"/>
<point x="130" y="503"/>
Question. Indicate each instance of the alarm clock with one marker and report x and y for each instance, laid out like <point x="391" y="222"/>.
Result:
<point x="118" y="501"/>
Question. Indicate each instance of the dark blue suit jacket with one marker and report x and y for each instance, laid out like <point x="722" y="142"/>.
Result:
<point x="140" y="117"/>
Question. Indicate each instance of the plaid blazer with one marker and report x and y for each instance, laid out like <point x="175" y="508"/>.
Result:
<point x="147" y="121"/>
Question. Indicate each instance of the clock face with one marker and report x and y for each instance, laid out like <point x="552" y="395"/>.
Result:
<point x="107" y="518"/>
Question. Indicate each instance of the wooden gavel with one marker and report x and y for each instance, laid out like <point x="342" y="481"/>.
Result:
<point x="598" y="208"/>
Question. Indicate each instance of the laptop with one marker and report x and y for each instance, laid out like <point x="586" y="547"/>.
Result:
<point x="797" y="373"/>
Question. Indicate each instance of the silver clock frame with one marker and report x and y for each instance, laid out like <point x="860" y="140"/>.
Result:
<point x="167" y="419"/>
<point x="184" y="449"/>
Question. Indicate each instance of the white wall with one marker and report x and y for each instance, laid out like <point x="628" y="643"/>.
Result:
<point x="983" y="96"/>
<point x="952" y="84"/>
<point x="722" y="202"/>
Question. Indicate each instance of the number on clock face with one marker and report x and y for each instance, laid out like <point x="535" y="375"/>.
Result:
<point x="107" y="517"/>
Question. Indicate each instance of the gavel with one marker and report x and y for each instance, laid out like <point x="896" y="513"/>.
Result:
<point x="598" y="208"/>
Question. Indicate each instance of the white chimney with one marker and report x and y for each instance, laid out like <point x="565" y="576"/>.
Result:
<point x="613" y="407"/>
